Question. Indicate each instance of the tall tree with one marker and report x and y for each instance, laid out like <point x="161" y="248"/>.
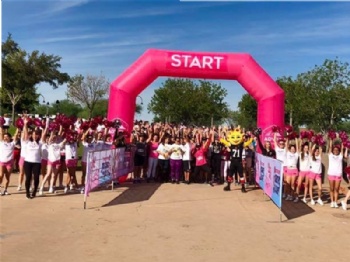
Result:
<point x="189" y="102"/>
<point x="22" y="71"/>
<point x="328" y="89"/>
<point x="247" y="114"/>
<point x="87" y="91"/>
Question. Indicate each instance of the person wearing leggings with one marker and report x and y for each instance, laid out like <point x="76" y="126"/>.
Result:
<point x="32" y="158"/>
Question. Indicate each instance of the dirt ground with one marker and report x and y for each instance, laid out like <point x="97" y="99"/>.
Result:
<point x="165" y="222"/>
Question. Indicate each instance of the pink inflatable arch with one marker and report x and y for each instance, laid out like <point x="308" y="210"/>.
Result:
<point x="241" y="67"/>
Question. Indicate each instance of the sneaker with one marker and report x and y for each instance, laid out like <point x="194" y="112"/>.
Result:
<point x="304" y="200"/>
<point x="71" y="187"/>
<point x="344" y="205"/>
<point x="82" y="190"/>
<point x="332" y="205"/>
<point x="19" y="188"/>
<point x="335" y="205"/>
<point x="227" y="188"/>
<point x="66" y="190"/>
<point x="289" y="198"/>
<point x="296" y="200"/>
<point x="5" y="193"/>
<point x="41" y="192"/>
<point x="243" y="190"/>
<point x="51" y="190"/>
<point x="312" y="202"/>
<point x="28" y="197"/>
<point x="320" y="202"/>
<point x="211" y="183"/>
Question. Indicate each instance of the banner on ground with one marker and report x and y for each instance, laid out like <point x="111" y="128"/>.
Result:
<point x="105" y="166"/>
<point x="269" y="177"/>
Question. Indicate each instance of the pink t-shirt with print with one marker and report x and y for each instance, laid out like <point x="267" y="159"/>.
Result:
<point x="200" y="157"/>
<point x="153" y="150"/>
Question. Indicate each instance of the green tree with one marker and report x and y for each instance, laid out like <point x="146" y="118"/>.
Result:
<point x="22" y="71"/>
<point x="246" y="115"/>
<point x="66" y="107"/>
<point x="87" y="91"/>
<point x="187" y="101"/>
<point x="327" y="88"/>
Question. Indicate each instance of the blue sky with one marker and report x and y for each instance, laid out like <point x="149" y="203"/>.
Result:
<point x="94" y="37"/>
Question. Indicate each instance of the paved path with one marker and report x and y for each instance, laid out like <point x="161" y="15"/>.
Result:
<point x="153" y="222"/>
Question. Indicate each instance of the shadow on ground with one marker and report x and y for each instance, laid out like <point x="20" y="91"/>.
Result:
<point x="134" y="193"/>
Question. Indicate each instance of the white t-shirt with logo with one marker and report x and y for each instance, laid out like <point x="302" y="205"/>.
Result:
<point x="281" y="155"/>
<point x="335" y="165"/>
<point x="291" y="160"/>
<point x="32" y="151"/>
<point x="6" y="151"/>
<point x="316" y="165"/>
<point x="187" y="149"/>
<point x="71" y="151"/>
<point x="304" y="165"/>
<point x="54" y="150"/>
<point x="176" y="152"/>
<point x="162" y="149"/>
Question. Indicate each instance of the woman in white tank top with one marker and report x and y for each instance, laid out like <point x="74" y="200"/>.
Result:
<point x="304" y="169"/>
<point x="336" y="155"/>
<point x="315" y="174"/>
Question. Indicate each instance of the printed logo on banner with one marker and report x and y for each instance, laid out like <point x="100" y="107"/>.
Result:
<point x="277" y="185"/>
<point x="268" y="178"/>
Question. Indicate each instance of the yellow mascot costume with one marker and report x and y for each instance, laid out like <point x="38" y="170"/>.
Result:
<point x="235" y="143"/>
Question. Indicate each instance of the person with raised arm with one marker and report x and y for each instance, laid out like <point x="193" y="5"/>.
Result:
<point x="199" y="153"/>
<point x="32" y="157"/>
<point x="336" y="154"/>
<point x="266" y="149"/>
<point x="7" y="146"/>
<point x="304" y="168"/>
<point x="281" y="152"/>
<point x="89" y="144"/>
<point x="292" y="170"/>
<point x="55" y="145"/>
<point x="315" y="174"/>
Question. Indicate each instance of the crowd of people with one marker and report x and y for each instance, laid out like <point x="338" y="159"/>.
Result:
<point x="167" y="152"/>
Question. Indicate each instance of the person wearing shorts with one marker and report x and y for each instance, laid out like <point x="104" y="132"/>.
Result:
<point x="304" y="169"/>
<point x="53" y="163"/>
<point x="315" y="174"/>
<point x="186" y="160"/>
<point x="6" y="159"/>
<point x="336" y="155"/>
<point x="292" y="171"/>
<point x="71" y="163"/>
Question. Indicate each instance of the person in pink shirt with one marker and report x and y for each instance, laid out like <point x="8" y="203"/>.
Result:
<point x="152" y="157"/>
<point x="200" y="152"/>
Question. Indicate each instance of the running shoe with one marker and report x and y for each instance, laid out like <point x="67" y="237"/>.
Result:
<point x="344" y="205"/>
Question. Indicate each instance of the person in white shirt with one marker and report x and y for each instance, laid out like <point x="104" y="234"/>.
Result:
<point x="280" y="148"/>
<point x="186" y="160"/>
<point x="163" y="151"/>
<point x="315" y="174"/>
<point x="32" y="157"/>
<point x="89" y="144"/>
<point x="292" y="170"/>
<point x="7" y="146"/>
<point x="54" y="146"/>
<point x="176" y="153"/>
<point x="336" y="155"/>
<point x="304" y="169"/>
<point x="71" y="148"/>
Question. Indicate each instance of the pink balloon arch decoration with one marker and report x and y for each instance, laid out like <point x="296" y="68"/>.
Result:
<point x="204" y="65"/>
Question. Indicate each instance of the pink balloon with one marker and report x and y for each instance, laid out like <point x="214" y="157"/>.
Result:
<point x="204" y="65"/>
